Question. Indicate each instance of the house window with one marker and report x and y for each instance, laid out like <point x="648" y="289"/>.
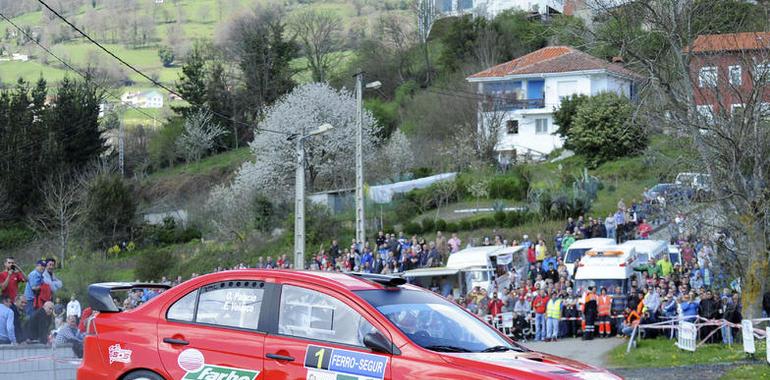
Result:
<point x="512" y="126"/>
<point x="762" y="72"/>
<point x="706" y="112"/>
<point x="707" y="77"/>
<point x="735" y="75"/>
<point x="541" y="126"/>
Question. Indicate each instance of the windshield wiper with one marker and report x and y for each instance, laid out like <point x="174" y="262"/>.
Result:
<point x="442" y="348"/>
<point x="499" y="349"/>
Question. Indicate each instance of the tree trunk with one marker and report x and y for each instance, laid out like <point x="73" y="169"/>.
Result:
<point x="755" y="277"/>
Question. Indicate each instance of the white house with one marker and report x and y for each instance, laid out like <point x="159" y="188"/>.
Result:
<point x="146" y="99"/>
<point x="522" y="95"/>
<point x="491" y="8"/>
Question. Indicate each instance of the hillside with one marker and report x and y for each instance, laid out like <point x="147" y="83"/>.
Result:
<point x="140" y="30"/>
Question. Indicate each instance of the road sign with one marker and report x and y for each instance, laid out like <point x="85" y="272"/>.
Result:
<point x="747" y="329"/>
<point x="688" y="334"/>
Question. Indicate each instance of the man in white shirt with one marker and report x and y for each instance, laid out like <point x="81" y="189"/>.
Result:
<point x="73" y="308"/>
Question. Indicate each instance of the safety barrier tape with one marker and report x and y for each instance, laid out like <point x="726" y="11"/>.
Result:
<point x="38" y="358"/>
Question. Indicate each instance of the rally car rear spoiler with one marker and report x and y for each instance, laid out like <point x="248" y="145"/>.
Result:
<point x="100" y="295"/>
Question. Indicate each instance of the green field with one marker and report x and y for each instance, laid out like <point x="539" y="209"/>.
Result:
<point x="661" y="353"/>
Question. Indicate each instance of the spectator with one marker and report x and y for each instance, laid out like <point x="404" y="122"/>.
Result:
<point x="539" y="306"/>
<point x="68" y="334"/>
<point x="571" y="312"/>
<point x="568" y="240"/>
<point x="39" y="323"/>
<point x="610" y="226"/>
<point x="688" y="309"/>
<point x="664" y="267"/>
<point x="495" y="305"/>
<point x="7" y="326"/>
<point x="732" y="314"/>
<point x="553" y="310"/>
<point x="708" y="308"/>
<point x="10" y="278"/>
<point x="18" y="316"/>
<point x="540" y="251"/>
<point x="49" y="277"/>
<point x="644" y="230"/>
<point x="590" y="312"/>
<point x="631" y="320"/>
<point x="34" y="283"/>
<point x="82" y="326"/>
<point x="58" y="312"/>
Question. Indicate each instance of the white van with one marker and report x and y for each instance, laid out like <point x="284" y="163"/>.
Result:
<point x="579" y="248"/>
<point x="607" y="267"/>
<point x="648" y="249"/>
<point x="471" y="267"/>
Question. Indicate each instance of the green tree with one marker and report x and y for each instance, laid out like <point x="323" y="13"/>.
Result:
<point x="563" y="116"/>
<point x="74" y="121"/>
<point x="111" y="207"/>
<point x="603" y="129"/>
<point x="220" y="101"/>
<point x="264" y="57"/>
<point x="166" y="55"/>
<point x="192" y="82"/>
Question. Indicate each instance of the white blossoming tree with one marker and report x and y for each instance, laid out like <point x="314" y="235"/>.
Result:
<point x="199" y="136"/>
<point x="330" y="157"/>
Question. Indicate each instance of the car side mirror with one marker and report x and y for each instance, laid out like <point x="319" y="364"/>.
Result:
<point x="378" y="343"/>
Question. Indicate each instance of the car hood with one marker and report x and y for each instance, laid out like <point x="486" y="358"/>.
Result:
<point x="535" y="365"/>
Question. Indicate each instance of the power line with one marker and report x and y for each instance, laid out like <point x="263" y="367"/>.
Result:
<point x="143" y="75"/>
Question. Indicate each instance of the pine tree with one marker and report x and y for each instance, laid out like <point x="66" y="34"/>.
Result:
<point x="74" y="121"/>
<point x="192" y="82"/>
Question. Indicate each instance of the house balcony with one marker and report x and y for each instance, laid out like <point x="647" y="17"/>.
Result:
<point x="507" y="105"/>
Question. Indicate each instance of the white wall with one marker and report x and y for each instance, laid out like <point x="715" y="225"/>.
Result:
<point x="495" y="7"/>
<point x="527" y="138"/>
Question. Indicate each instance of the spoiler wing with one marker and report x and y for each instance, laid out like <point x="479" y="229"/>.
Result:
<point x="100" y="295"/>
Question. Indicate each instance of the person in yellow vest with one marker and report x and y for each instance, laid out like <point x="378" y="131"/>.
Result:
<point x="553" y="311"/>
<point x="604" y="304"/>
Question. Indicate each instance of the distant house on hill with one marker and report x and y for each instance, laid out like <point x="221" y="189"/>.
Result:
<point x="725" y="68"/>
<point x="143" y="99"/>
<point x="522" y="95"/>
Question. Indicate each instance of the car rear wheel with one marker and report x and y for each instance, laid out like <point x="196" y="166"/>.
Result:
<point x="143" y="375"/>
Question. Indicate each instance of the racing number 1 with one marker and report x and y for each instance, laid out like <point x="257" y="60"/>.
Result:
<point x="320" y="357"/>
<point x="316" y="357"/>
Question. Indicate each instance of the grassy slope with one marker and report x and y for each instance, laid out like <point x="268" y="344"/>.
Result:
<point x="228" y="161"/>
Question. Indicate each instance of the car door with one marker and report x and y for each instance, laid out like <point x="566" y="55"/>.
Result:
<point x="213" y="332"/>
<point x="320" y="337"/>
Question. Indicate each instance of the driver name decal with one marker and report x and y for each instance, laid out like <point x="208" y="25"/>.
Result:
<point x="345" y="364"/>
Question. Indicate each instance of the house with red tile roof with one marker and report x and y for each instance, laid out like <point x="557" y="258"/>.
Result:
<point x="524" y="93"/>
<point x="725" y="70"/>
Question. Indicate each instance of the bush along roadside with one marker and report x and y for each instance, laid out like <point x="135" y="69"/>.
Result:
<point x="499" y="219"/>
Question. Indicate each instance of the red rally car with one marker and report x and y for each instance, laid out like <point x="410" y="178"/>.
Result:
<point x="272" y="324"/>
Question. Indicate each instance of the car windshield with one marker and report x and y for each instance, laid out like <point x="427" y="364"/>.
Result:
<point x="434" y="323"/>
<point x="478" y="275"/>
<point x="609" y="284"/>
<point x="574" y="254"/>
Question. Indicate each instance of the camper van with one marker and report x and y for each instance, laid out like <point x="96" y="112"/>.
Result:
<point x="648" y="249"/>
<point x="579" y="248"/>
<point x="471" y="267"/>
<point x="607" y="267"/>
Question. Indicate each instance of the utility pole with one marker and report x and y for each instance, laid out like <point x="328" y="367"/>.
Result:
<point x="121" y="149"/>
<point x="299" y="207"/>
<point x="299" y="195"/>
<point x="360" y="219"/>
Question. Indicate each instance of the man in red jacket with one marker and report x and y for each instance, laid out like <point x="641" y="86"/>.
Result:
<point x="495" y="305"/>
<point x="539" y="305"/>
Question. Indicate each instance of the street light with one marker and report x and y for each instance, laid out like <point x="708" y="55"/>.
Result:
<point x="360" y="219"/>
<point x="299" y="195"/>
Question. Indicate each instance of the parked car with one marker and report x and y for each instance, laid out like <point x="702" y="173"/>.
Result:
<point x="668" y="194"/>
<point x="699" y="183"/>
<point x="276" y="324"/>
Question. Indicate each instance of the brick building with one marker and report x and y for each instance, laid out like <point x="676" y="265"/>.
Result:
<point x="726" y="70"/>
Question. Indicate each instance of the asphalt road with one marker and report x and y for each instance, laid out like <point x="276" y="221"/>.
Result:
<point x="592" y="352"/>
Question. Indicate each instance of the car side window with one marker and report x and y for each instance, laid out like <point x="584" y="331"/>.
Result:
<point x="184" y="308"/>
<point x="309" y="314"/>
<point x="231" y="304"/>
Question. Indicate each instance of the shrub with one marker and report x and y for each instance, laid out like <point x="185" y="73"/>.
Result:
<point x="428" y="225"/>
<point x="452" y="227"/>
<point x="15" y="236"/>
<point x="507" y="187"/>
<point x="464" y="225"/>
<point x="500" y="218"/>
<point x="422" y="172"/>
<point x="412" y="228"/>
<point x="153" y="264"/>
<point x="441" y="225"/>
